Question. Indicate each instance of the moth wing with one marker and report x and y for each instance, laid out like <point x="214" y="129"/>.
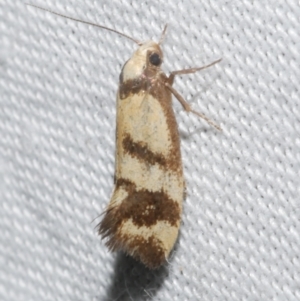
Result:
<point x="144" y="212"/>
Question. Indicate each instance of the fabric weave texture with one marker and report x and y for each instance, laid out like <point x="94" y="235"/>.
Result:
<point x="240" y="233"/>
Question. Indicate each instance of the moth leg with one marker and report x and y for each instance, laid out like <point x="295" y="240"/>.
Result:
<point x="188" y="108"/>
<point x="188" y="71"/>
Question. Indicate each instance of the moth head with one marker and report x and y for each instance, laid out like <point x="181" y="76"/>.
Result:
<point x="146" y="60"/>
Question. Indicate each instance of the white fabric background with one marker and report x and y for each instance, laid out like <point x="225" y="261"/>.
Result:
<point x="240" y="236"/>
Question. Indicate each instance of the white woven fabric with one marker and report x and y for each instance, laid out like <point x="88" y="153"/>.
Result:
<point x="240" y="236"/>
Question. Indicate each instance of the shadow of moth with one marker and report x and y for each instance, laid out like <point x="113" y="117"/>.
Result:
<point x="144" y="213"/>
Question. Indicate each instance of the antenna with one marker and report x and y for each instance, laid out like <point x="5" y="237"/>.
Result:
<point x="86" y="22"/>
<point x="163" y="34"/>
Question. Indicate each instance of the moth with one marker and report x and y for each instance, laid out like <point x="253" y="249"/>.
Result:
<point x="143" y="216"/>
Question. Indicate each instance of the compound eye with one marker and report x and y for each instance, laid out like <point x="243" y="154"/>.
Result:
<point x="155" y="59"/>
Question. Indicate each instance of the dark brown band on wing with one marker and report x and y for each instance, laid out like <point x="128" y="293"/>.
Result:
<point x="141" y="151"/>
<point x="133" y="86"/>
<point x="125" y="184"/>
<point x="143" y="207"/>
<point x="157" y="89"/>
<point x="145" y="82"/>
<point x="146" y="208"/>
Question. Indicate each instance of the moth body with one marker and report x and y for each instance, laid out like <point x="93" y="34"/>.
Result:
<point x="144" y="213"/>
